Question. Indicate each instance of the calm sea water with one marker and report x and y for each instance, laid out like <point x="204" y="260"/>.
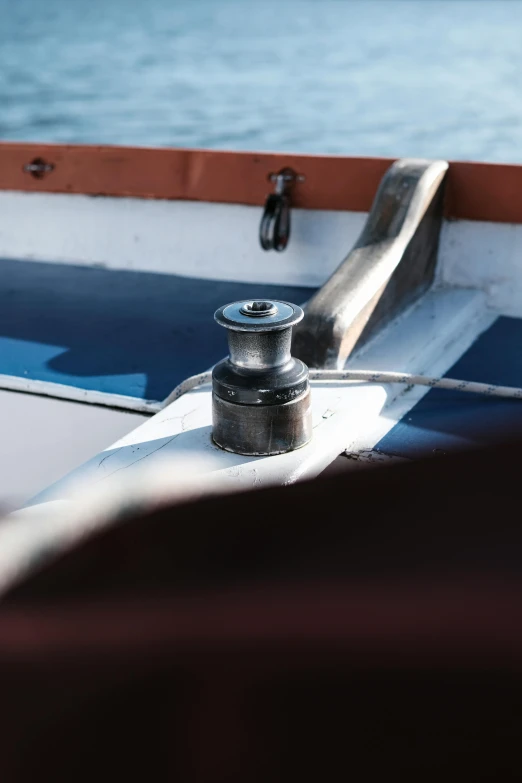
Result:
<point x="378" y="77"/>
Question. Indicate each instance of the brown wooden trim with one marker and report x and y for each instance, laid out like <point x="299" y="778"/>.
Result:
<point x="475" y="191"/>
<point x="199" y="175"/>
<point x="484" y="191"/>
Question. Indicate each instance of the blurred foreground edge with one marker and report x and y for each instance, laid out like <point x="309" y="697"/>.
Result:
<point x="363" y="625"/>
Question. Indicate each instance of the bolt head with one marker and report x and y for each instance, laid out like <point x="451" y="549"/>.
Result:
<point x="258" y="309"/>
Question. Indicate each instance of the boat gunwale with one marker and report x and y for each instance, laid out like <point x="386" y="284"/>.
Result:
<point x="475" y="191"/>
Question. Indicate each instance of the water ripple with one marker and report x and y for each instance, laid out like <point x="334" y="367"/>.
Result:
<point x="363" y="77"/>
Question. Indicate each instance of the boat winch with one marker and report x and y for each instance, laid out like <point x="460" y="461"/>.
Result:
<point x="260" y="392"/>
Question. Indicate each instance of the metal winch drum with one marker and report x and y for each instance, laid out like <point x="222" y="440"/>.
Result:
<point x="260" y="393"/>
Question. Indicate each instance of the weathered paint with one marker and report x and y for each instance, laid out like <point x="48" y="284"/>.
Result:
<point x="192" y="175"/>
<point x="476" y="191"/>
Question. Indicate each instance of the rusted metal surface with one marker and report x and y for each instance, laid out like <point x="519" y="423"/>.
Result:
<point x="392" y="263"/>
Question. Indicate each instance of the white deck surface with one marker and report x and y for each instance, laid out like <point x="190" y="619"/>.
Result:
<point x="43" y="439"/>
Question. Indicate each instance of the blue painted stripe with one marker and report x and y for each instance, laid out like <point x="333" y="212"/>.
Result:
<point x="444" y="421"/>
<point x="120" y="332"/>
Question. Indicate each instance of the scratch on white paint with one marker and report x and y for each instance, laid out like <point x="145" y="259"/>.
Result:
<point x="371" y="457"/>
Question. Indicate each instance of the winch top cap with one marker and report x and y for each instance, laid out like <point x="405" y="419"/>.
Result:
<point x="258" y="315"/>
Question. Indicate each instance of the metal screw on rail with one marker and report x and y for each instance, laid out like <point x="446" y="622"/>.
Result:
<point x="260" y="393"/>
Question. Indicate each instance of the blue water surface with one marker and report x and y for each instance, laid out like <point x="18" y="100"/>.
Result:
<point x="363" y="77"/>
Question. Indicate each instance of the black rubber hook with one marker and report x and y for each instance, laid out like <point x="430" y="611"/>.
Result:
<point x="274" y="231"/>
